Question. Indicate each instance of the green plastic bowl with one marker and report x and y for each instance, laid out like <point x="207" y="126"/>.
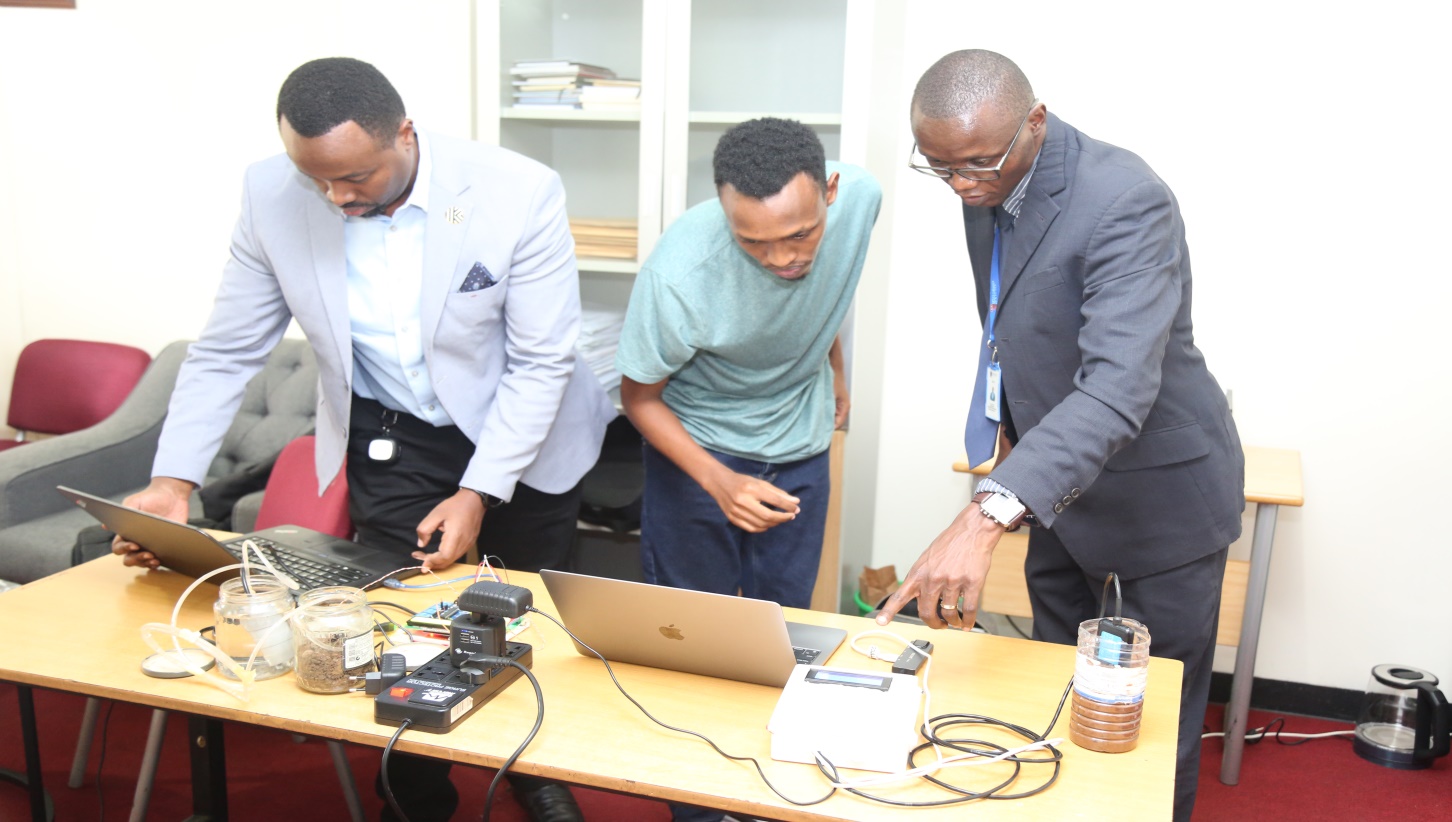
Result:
<point x="863" y="608"/>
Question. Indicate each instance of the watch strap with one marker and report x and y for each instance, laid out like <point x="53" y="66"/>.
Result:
<point x="489" y="500"/>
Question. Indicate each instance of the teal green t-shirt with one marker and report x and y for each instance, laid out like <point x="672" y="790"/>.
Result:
<point x="746" y="351"/>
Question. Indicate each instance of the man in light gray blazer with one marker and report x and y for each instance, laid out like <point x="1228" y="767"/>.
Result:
<point x="436" y="281"/>
<point x="1112" y="433"/>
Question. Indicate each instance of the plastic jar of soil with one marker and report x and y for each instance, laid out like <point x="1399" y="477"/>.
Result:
<point x="333" y="637"/>
<point x="245" y="619"/>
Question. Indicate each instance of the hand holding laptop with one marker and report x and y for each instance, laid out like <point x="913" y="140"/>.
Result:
<point x="166" y="497"/>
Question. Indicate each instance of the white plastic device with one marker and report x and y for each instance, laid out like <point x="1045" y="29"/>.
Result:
<point x="866" y="720"/>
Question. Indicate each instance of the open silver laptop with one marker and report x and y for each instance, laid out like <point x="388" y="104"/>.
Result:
<point x="728" y="637"/>
<point x="310" y="558"/>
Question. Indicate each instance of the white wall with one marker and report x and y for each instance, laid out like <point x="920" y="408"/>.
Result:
<point x="124" y="131"/>
<point x="1302" y="145"/>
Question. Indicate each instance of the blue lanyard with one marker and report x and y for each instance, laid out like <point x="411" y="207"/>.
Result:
<point x="993" y="286"/>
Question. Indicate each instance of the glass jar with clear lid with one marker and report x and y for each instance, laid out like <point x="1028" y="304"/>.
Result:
<point x="251" y="615"/>
<point x="333" y="636"/>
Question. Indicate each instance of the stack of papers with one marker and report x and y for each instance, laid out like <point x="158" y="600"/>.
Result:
<point x="570" y="85"/>
<point x="612" y="239"/>
<point x="600" y="327"/>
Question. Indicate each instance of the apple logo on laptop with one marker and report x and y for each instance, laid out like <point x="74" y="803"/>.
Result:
<point x="671" y="632"/>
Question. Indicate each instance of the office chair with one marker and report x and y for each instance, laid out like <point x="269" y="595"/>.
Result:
<point x="291" y="498"/>
<point x="62" y="386"/>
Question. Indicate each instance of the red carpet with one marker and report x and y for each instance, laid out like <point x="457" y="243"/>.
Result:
<point x="1321" y="779"/>
<point x="268" y="775"/>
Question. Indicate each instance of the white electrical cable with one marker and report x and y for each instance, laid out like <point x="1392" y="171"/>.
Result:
<point x="245" y="675"/>
<point x="959" y="761"/>
<point x="956" y="761"/>
<point x="1260" y="733"/>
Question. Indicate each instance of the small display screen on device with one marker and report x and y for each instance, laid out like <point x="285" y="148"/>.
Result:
<point x="829" y="677"/>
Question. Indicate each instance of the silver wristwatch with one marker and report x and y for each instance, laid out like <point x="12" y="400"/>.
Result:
<point x="1004" y="509"/>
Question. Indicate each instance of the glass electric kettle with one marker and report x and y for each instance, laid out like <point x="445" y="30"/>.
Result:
<point x="1404" y="719"/>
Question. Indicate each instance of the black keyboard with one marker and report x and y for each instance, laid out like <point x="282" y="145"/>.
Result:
<point x="805" y="656"/>
<point x="308" y="572"/>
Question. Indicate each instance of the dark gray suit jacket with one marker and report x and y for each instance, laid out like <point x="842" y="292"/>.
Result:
<point x="1126" y="447"/>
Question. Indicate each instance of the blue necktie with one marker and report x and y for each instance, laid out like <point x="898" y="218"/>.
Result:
<point x="980" y="437"/>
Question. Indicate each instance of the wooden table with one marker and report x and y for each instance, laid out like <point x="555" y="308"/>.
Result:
<point x="591" y="734"/>
<point x="1272" y="479"/>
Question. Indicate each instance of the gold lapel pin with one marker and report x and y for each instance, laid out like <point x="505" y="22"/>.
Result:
<point x="454" y="215"/>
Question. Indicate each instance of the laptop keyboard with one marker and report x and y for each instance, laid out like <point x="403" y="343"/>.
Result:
<point x="805" y="656"/>
<point x="307" y="571"/>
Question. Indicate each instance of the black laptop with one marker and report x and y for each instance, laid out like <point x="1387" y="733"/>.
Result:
<point x="310" y="558"/>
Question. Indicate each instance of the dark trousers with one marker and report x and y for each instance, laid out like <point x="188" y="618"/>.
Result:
<point x="1181" y="609"/>
<point x="388" y="500"/>
<point x="687" y="542"/>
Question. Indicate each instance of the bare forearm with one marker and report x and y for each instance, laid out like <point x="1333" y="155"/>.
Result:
<point x="663" y="430"/>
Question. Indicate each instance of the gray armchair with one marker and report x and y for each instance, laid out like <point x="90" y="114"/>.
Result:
<point x="38" y="526"/>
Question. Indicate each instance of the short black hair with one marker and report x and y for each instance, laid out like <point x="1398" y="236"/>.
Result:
<point x="759" y="157"/>
<point x="964" y="82"/>
<point x="321" y="95"/>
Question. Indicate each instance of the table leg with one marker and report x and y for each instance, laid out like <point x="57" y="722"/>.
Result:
<point x="1239" y="708"/>
<point x="209" y="770"/>
<point x="41" y="809"/>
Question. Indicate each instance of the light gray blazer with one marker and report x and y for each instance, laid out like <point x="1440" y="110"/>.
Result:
<point x="1126" y="446"/>
<point x="502" y="359"/>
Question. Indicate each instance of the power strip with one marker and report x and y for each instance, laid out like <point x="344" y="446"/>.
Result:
<point x="437" y="695"/>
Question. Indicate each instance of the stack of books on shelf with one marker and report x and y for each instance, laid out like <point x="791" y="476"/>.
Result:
<point x="614" y="239"/>
<point x="600" y="327"/>
<point x="567" y="85"/>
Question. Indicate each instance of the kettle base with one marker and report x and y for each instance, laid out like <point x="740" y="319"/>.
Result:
<point x="1400" y="759"/>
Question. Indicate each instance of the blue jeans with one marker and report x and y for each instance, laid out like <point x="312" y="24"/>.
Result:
<point x="687" y="542"/>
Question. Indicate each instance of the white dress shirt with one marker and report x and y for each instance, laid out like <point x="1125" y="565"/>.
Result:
<point x="385" y="281"/>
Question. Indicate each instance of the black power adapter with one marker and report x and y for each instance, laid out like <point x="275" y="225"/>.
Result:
<point x="909" y="661"/>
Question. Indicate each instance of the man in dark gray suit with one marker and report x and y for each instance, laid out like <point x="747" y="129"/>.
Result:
<point x="1111" y="432"/>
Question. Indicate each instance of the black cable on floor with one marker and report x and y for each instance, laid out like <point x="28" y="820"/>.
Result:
<point x="383" y="773"/>
<point x="538" y="720"/>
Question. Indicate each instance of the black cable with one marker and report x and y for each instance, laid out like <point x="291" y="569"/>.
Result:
<point x="930" y="731"/>
<point x="538" y="720"/>
<point x="1264" y="731"/>
<point x="383" y="772"/>
<point x="1014" y="626"/>
<point x="101" y="762"/>
<point x="700" y="736"/>
<point x="933" y="730"/>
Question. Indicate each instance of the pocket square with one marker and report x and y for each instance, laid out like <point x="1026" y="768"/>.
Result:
<point x="478" y="279"/>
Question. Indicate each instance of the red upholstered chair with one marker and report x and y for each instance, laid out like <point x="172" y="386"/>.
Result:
<point x="292" y="497"/>
<point x="62" y="386"/>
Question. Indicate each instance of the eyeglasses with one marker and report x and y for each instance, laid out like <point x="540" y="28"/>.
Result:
<point x="977" y="173"/>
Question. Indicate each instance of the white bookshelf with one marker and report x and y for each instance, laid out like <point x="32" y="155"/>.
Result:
<point x="609" y="161"/>
<point x="748" y="59"/>
<point x="704" y="65"/>
<point x="601" y="265"/>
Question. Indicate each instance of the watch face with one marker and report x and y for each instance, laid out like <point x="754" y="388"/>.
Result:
<point x="1003" y="509"/>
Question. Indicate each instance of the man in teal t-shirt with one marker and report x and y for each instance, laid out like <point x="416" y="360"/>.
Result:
<point x="733" y="368"/>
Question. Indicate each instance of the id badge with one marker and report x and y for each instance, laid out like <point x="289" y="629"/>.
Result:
<point x="991" y="395"/>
